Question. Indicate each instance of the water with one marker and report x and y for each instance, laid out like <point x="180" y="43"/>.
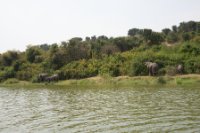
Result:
<point x="100" y="110"/>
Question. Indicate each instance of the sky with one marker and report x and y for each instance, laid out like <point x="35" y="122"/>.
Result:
<point x="32" y="22"/>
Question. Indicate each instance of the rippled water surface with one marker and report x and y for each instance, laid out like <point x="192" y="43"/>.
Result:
<point x="100" y="110"/>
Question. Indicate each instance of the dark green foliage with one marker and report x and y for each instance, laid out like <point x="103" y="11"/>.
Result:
<point x="102" y="37"/>
<point x="138" y="67"/>
<point x="172" y="37"/>
<point x="45" y="47"/>
<point x="198" y="27"/>
<point x="156" y="38"/>
<point x="57" y="60"/>
<point x="8" y="72"/>
<point x="191" y="48"/>
<point x="16" y="65"/>
<point x="127" y="43"/>
<point x="78" y="51"/>
<point x="74" y="41"/>
<point x="188" y="26"/>
<point x="24" y="75"/>
<point x="87" y="39"/>
<point x="134" y="31"/>
<point x="192" y="65"/>
<point x="166" y="31"/>
<point x="38" y="59"/>
<point x="174" y="28"/>
<point x="8" y="58"/>
<point x="186" y="36"/>
<point x="121" y="43"/>
<point x="147" y="34"/>
<point x="31" y="53"/>
<point x="53" y="48"/>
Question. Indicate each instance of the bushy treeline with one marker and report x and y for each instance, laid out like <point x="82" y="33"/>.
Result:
<point x="78" y="58"/>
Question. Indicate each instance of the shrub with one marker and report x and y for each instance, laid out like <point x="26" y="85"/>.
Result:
<point x="186" y="36"/>
<point x="24" y="75"/>
<point x="162" y="71"/>
<point x="35" y="79"/>
<point x="171" y="70"/>
<point x="191" y="48"/>
<point x="11" y="81"/>
<point x="8" y="72"/>
<point x="172" y="37"/>
<point x="78" y="69"/>
<point x="196" y="39"/>
<point x="138" y="67"/>
<point x="192" y="65"/>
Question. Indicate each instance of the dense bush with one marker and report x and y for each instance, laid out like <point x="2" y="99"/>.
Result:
<point x="79" y="69"/>
<point x="138" y="67"/>
<point x="8" y="72"/>
<point x="192" y="65"/>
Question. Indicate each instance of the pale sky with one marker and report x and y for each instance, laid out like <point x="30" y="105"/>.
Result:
<point x="24" y="22"/>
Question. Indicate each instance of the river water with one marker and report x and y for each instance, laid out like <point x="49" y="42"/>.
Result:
<point x="100" y="110"/>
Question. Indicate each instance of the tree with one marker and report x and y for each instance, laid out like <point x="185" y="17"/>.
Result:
<point x="147" y="34"/>
<point x="16" y="65"/>
<point x="188" y="26"/>
<point x="95" y="49"/>
<point x="198" y="27"/>
<point x="78" y="51"/>
<point x="186" y="36"/>
<point x="9" y="57"/>
<point x="156" y="38"/>
<point x="87" y="39"/>
<point x="57" y="60"/>
<point x="31" y="53"/>
<point x="57" y="56"/>
<point x="103" y="37"/>
<point x="166" y="31"/>
<point x="75" y="40"/>
<point x="93" y="38"/>
<point x="121" y="43"/>
<point x="45" y="47"/>
<point x="53" y="49"/>
<point x="133" y="32"/>
<point x="175" y="28"/>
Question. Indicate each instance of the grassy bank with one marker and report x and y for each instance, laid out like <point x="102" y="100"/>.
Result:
<point x="117" y="82"/>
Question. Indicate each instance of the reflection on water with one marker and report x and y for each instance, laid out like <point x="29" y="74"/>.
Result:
<point x="103" y="110"/>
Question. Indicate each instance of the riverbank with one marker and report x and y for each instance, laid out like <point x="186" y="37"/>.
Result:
<point x="117" y="82"/>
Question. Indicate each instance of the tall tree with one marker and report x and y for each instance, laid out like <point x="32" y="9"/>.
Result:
<point x="31" y="53"/>
<point x="9" y="57"/>
<point x="133" y="32"/>
<point x="147" y="34"/>
<point x="175" y="28"/>
<point x="166" y="31"/>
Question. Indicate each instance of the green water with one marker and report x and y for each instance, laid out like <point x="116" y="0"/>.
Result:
<point x="100" y="110"/>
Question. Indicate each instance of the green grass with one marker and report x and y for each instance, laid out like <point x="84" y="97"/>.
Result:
<point x="112" y="82"/>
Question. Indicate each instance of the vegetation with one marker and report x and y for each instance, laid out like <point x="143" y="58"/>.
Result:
<point x="113" y="82"/>
<point x="122" y="56"/>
